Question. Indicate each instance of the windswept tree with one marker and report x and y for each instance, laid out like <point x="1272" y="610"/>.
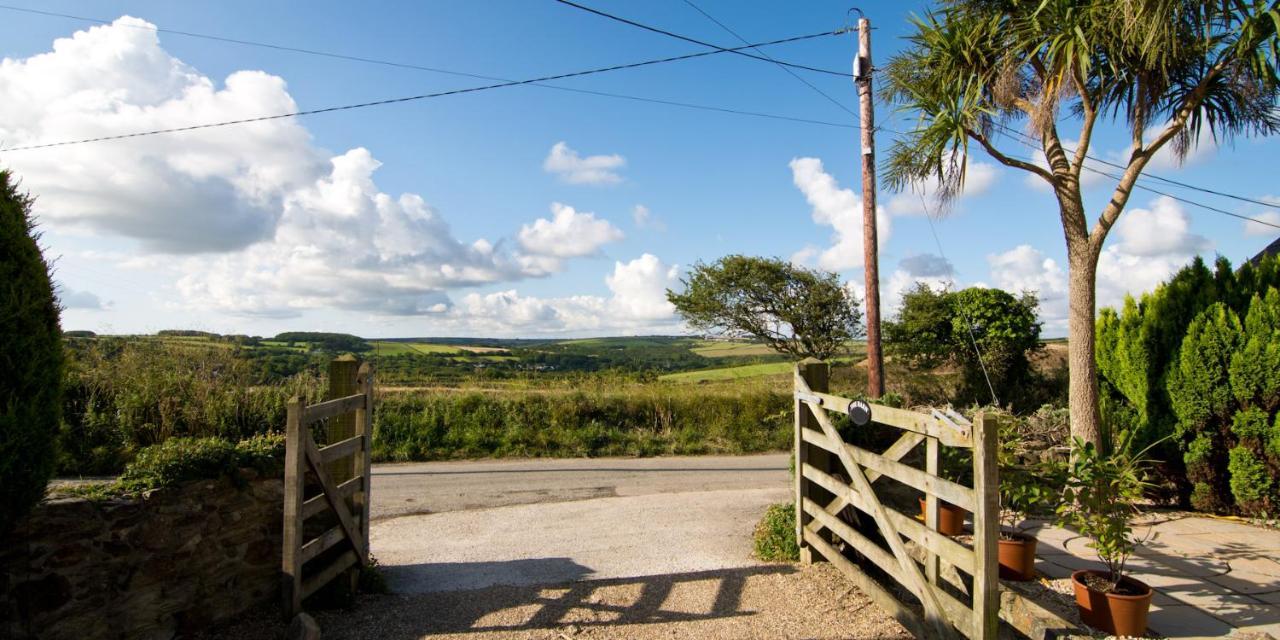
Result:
<point x="1164" y="70"/>
<point x="799" y="311"/>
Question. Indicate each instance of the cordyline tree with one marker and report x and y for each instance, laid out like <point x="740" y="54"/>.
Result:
<point x="1164" y="70"/>
<point x="799" y="311"/>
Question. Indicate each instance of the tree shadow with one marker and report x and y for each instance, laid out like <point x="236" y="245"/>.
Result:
<point x="682" y="597"/>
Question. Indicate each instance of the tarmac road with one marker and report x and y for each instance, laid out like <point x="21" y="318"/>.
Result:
<point x="448" y="526"/>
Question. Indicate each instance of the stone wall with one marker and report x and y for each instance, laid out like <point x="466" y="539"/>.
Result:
<point x="169" y="562"/>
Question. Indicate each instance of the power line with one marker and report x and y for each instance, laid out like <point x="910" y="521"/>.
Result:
<point x="735" y="50"/>
<point x="416" y="67"/>
<point x="793" y="74"/>
<point x="937" y="240"/>
<point x="427" y="96"/>
<point x="1139" y="185"/>
<point x="1152" y="176"/>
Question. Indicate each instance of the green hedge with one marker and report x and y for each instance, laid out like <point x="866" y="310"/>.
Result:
<point x="31" y="359"/>
<point x="1197" y="361"/>
<point x="177" y="461"/>
<point x="646" y="421"/>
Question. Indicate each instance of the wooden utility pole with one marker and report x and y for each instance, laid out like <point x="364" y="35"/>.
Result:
<point x="870" y="248"/>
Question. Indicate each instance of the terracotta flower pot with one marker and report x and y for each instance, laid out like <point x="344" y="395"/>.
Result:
<point x="1119" y="614"/>
<point x="1017" y="556"/>
<point x="950" y="518"/>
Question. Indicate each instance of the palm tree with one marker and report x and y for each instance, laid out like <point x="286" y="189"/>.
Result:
<point x="1165" y="70"/>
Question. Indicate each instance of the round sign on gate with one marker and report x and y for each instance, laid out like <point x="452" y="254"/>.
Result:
<point x="859" y="412"/>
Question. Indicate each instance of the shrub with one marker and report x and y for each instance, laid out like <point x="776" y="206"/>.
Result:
<point x="31" y="360"/>
<point x="1149" y="389"/>
<point x="775" y="536"/>
<point x="180" y="460"/>
<point x="1100" y="499"/>
<point x="935" y="328"/>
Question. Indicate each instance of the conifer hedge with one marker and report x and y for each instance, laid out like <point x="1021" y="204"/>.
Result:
<point x="31" y="359"/>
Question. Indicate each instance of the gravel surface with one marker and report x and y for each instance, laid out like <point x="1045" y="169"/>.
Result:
<point x="769" y="601"/>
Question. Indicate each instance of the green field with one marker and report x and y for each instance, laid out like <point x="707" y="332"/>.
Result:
<point x="389" y="348"/>
<point x="714" y="349"/>
<point x="730" y="373"/>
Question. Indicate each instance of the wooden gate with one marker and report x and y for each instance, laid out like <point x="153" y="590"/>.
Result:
<point x="347" y="457"/>
<point x="828" y="466"/>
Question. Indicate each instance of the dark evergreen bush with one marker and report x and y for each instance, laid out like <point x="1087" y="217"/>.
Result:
<point x="30" y="359"/>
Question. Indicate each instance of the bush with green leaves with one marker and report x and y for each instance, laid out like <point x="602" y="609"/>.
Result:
<point x="936" y="328"/>
<point x="1101" y="497"/>
<point x="1224" y="389"/>
<point x="1030" y="482"/>
<point x="775" y="535"/>
<point x="180" y="460"/>
<point x="31" y="359"/>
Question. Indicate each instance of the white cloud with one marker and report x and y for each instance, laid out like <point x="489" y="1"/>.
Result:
<point x="263" y="222"/>
<point x="568" y="234"/>
<point x="1151" y="244"/>
<point x="638" y="304"/>
<point x="191" y="192"/>
<point x="1163" y="229"/>
<point x="979" y="177"/>
<point x="838" y="208"/>
<point x="644" y="219"/>
<point x="1024" y="268"/>
<point x="575" y="169"/>
<point x="901" y="281"/>
<point x="1269" y="216"/>
<point x="342" y="243"/>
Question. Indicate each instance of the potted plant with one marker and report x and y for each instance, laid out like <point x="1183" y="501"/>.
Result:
<point x="956" y="466"/>
<point x="1099" y="502"/>
<point x="1027" y="487"/>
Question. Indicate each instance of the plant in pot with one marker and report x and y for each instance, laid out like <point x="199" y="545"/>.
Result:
<point x="1100" y="503"/>
<point x="955" y="465"/>
<point x="1028" y="487"/>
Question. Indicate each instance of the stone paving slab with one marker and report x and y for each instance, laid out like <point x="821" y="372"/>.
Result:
<point x="1213" y="577"/>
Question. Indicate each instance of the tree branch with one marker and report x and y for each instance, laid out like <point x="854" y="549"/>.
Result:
<point x="1009" y="161"/>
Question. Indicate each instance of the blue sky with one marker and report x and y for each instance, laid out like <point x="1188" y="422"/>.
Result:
<point x="253" y="230"/>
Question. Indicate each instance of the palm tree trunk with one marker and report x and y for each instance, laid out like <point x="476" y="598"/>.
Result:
<point x="1082" y="392"/>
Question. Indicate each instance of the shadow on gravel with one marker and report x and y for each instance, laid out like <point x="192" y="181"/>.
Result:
<point x="464" y="576"/>
<point x="683" y="597"/>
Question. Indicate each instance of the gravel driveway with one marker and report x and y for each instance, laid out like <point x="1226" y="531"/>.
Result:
<point x="605" y="548"/>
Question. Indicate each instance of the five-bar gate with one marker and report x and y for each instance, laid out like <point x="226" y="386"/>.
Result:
<point x="828" y="466"/>
<point x="310" y="562"/>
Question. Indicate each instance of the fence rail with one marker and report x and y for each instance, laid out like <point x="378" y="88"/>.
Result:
<point x="342" y="472"/>
<point x="833" y="475"/>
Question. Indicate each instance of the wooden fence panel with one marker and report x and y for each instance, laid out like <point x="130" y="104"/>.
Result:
<point x="940" y="613"/>
<point x="346" y="496"/>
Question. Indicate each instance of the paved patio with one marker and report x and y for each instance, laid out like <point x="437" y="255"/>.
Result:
<point x="1213" y="577"/>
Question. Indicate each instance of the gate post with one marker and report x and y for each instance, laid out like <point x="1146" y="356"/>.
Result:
<point x="343" y="372"/>
<point x="295" y="467"/>
<point x="986" y="529"/>
<point x="816" y="374"/>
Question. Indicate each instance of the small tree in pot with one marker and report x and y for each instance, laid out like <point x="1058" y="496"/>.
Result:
<point x="1100" y="502"/>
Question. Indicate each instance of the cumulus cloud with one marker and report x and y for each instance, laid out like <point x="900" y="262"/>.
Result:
<point x="979" y="177"/>
<point x="1270" y="217"/>
<point x="258" y="221"/>
<point x="1148" y="245"/>
<point x="572" y="168"/>
<point x="837" y="208"/>
<point x="568" y="234"/>
<point x="343" y="243"/>
<point x="1025" y="268"/>
<point x="637" y="303"/>
<point x="194" y="192"/>
<point x="73" y="299"/>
